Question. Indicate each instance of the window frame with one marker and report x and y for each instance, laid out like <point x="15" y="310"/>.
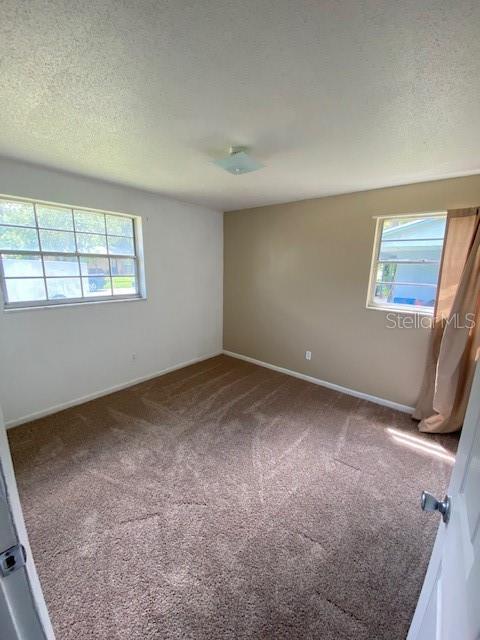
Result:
<point x="398" y="307"/>
<point x="137" y="257"/>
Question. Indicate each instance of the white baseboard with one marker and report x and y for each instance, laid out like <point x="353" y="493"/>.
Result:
<point x="130" y="383"/>
<point x="104" y="392"/>
<point x="323" y="383"/>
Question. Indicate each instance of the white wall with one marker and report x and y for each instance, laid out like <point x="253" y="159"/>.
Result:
<point x="52" y="357"/>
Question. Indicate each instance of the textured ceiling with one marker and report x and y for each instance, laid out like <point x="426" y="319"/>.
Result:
<point x="332" y="95"/>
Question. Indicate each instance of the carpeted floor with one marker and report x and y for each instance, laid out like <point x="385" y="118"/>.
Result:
<point x="227" y="501"/>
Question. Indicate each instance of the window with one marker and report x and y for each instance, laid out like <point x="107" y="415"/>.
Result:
<point x="406" y="262"/>
<point x="53" y="254"/>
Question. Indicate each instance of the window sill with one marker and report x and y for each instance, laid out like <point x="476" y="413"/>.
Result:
<point x="421" y="311"/>
<point x="68" y="305"/>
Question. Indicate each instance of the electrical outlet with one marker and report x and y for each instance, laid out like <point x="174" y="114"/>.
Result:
<point x="308" y="355"/>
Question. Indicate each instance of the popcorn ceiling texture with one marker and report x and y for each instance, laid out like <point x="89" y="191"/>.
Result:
<point x="333" y="96"/>
<point x="227" y="501"/>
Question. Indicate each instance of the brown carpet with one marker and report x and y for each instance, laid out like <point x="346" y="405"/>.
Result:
<point x="228" y="501"/>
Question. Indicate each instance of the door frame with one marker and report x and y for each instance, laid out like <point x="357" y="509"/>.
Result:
<point x="22" y="603"/>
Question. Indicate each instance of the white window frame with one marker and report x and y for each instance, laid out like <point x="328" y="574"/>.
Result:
<point x="138" y="257"/>
<point x="401" y="308"/>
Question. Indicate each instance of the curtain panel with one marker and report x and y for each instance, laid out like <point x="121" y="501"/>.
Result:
<point x="455" y="339"/>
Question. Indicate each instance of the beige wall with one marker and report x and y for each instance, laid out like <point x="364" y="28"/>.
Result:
<point x="296" y="278"/>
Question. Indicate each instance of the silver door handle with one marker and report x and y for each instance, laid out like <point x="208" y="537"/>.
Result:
<point x="430" y="503"/>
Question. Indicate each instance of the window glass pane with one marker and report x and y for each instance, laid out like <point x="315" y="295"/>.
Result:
<point x="25" y="290"/>
<point x="54" y="218"/>
<point x="91" y="243"/>
<point x="22" y="266"/>
<point x="122" y="246"/>
<point x="89" y="222"/>
<point x="399" y="294"/>
<point x="119" y="226"/>
<point x="423" y="250"/>
<point x="407" y="272"/>
<point x="61" y="241"/>
<point x="123" y="266"/>
<point x="412" y="239"/>
<point x="17" y="238"/>
<point x="409" y="260"/>
<point x="97" y="286"/>
<point x="21" y="213"/>
<point x="417" y="228"/>
<point x="94" y="266"/>
<point x="124" y="285"/>
<point x="61" y="265"/>
<point x="59" y="288"/>
<point x="63" y="257"/>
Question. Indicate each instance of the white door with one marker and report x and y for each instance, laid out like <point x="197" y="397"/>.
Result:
<point x="23" y="614"/>
<point x="449" y="604"/>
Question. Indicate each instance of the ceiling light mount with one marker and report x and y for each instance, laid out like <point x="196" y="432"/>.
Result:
<point x="238" y="161"/>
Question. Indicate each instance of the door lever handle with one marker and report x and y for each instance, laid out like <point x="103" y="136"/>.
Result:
<point x="430" y="503"/>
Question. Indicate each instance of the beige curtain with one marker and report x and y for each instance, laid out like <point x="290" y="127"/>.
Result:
<point x="455" y="340"/>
